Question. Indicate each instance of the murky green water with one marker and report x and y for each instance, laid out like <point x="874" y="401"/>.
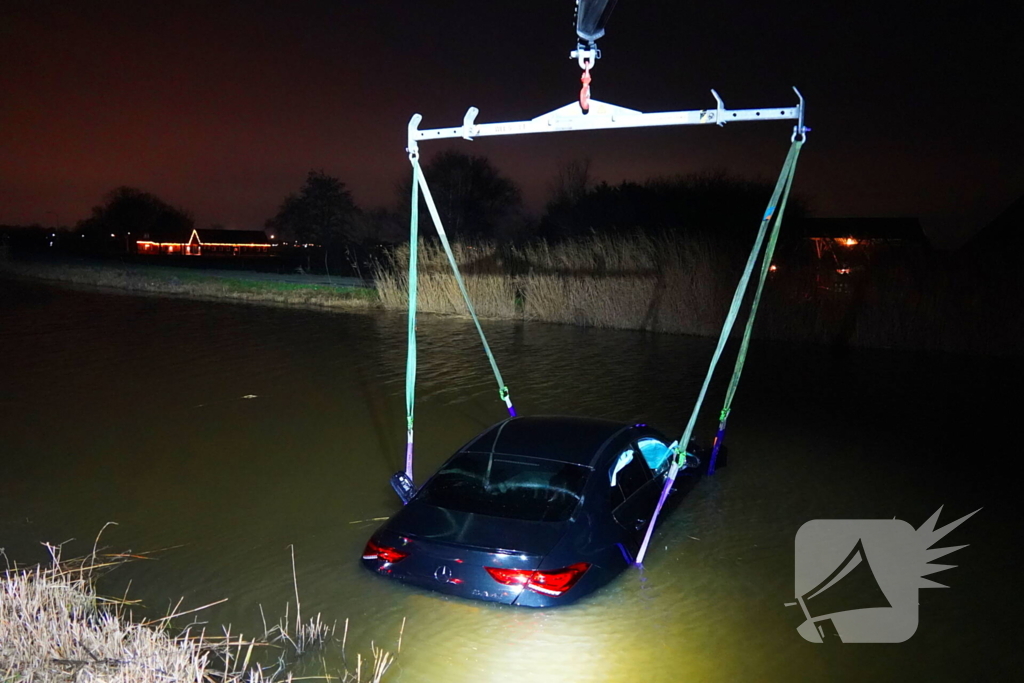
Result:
<point x="131" y="409"/>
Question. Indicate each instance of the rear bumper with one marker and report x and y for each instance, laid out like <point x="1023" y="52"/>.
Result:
<point x="436" y="578"/>
<point x="485" y="589"/>
<point x="443" y="573"/>
<point x="448" y="568"/>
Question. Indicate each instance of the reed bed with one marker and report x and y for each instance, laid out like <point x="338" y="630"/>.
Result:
<point x="491" y="289"/>
<point x="903" y="300"/>
<point x="915" y="301"/>
<point x="633" y="282"/>
<point x="54" y="627"/>
<point x="912" y="300"/>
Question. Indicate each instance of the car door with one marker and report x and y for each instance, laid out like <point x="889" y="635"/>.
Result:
<point x="633" y="493"/>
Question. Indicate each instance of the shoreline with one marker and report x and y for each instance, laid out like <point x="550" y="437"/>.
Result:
<point x="55" y="626"/>
<point x="658" y="285"/>
<point x="195" y="284"/>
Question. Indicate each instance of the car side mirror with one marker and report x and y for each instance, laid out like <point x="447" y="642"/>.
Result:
<point x="403" y="486"/>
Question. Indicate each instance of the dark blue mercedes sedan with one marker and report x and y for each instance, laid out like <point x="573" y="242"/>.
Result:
<point x="536" y="511"/>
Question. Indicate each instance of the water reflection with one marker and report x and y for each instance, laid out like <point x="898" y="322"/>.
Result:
<point x="131" y="409"/>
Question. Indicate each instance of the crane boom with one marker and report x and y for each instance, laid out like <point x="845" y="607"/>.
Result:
<point x="591" y="17"/>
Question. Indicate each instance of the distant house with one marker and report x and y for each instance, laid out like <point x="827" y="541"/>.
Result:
<point x="828" y="234"/>
<point x="835" y="248"/>
<point x="209" y="242"/>
<point x="840" y="240"/>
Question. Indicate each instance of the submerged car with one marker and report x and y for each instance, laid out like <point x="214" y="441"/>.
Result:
<point x="535" y="511"/>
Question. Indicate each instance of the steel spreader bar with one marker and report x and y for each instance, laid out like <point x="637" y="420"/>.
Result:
<point x="603" y="116"/>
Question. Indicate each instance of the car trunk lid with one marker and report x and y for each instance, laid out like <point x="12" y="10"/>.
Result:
<point x="448" y="551"/>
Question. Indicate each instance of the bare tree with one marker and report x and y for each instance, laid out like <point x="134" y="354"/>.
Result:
<point x="571" y="182"/>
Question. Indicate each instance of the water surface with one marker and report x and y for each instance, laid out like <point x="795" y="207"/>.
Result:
<point x="132" y="409"/>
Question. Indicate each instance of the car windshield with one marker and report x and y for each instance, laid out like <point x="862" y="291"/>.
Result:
<point x="509" y="486"/>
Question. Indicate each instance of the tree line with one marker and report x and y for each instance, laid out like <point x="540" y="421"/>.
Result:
<point x="476" y="202"/>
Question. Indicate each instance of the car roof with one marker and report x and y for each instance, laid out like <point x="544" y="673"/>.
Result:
<point x="575" y="440"/>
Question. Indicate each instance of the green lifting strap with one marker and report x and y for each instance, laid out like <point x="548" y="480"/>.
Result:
<point x="410" y="359"/>
<point x="781" y="191"/>
<point x="420" y="179"/>
<point x="765" y="269"/>
<point x="778" y="200"/>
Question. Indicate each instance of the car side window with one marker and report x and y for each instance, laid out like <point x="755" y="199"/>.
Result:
<point x="655" y="452"/>
<point x="626" y="474"/>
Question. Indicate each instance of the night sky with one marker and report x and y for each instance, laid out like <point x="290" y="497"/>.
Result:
<point x="222" y="107"/>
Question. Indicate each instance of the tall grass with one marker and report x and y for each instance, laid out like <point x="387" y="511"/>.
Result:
<point x="55" y="627"/>
<point x="923" y="301"/>
<point x="900" y="299"/>
<point x="632" y="282"/>
<point x="488" y="281"/>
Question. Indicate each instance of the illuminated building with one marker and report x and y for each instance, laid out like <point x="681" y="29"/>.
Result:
<point x="839" y="238"/>
<point x="837" y="250"/>
<point x="209" y="242"/>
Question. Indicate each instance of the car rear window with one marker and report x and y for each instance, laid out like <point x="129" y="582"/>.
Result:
<point x="509" y="486"/>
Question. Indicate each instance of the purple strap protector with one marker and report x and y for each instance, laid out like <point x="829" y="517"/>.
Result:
<point x="719" y="437"/>
<point x="408" y="457"/>
<point x="669" y="480"/>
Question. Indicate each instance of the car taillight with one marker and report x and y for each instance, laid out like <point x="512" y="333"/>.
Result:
<point x="558" y="581"/>
<point x="375" y="551"/>
<point x="551" y="582"/>
<point x="510" y="577"/>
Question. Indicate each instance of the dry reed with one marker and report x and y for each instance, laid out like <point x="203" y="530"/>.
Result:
<point x="54" y="627"/>
<point x="490" y="288"/>
<point x="305" y="636"/>
<point x="899" y="299"/>
<point x="634" y="283"/>
<point x="631" y="282"/>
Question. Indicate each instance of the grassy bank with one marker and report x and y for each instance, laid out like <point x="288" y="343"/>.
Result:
<point x="55" y="627"/>
<point x="194" y="284"/>
<point x="911" y="300"/>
